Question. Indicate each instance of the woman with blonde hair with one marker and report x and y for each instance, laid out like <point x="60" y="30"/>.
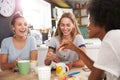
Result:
<point x="67" y="30"/>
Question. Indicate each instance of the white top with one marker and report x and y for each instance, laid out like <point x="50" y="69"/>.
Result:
<point x="67" y="55"/>
<point x="108" y="58"/>
<point x="7" y="47"/>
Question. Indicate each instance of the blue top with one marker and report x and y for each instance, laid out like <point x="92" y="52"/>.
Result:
<point x="67" y="55"/>
<point x="7" y="47"/>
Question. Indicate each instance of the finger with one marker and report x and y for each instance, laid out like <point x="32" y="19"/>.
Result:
<point x="57" y="60"/>
<point x="60" y="48"/>
<point x="50" y="53"/>
<point x="17" y="59"/>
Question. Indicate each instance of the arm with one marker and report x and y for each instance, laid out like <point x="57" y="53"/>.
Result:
<point x="4" y="62"/>
<point x="51" y="56"/>
<point x="0" y="58"/>
<point x="48" y="58"/>
<point x="33" y="55"/>
<point x="79" y="62"/>
<point x="4" y="56"/>
<point x="34" y="51"/>
<point x="81" y="53"/>
<point x="96" y="74"/>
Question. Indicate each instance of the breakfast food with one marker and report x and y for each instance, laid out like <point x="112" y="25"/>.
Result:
<point x="72" y="78"/>
<point x="60" y="49"/>
<point x="62" y="76"/>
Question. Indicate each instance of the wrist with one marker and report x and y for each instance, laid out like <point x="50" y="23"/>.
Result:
<point x="48" y="61"/>
<point x="14" y="63"/>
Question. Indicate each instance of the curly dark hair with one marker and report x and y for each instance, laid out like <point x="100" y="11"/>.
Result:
<point x="105" y="13"/>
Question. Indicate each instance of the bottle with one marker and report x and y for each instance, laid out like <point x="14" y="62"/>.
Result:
<point x="49" y="35"/>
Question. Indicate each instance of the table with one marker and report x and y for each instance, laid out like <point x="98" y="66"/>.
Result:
<point x="10" y="75"/>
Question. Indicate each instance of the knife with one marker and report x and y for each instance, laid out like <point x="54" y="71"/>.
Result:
<point x="73" y="73"/>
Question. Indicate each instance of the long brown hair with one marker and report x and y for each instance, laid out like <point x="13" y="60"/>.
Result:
<point x="75" y="30"/>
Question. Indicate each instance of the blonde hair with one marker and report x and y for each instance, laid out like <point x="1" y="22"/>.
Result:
<point x="75" y="30"/>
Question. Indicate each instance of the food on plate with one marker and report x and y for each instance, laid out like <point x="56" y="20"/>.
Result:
<point x="62" y="76"/>
<point x="72" y="78"/>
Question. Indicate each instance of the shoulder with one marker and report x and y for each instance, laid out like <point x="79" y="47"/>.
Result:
<point x="6" y="42"/>
<point x="78" y="36"/>
<point x="30" y="38"/>
<point x="112" y="35"/>
<point x="54" y="38"/>
<point x="8" y="39"/>
<point x="54" y="41"/>
<point x="79" y="40"/>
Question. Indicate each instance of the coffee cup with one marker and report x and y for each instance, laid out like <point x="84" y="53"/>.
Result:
<point x="61" y="68"/>
<point x="44" y="72"/>
<point x="33" y="65"/>
<point x="24" y="66"/>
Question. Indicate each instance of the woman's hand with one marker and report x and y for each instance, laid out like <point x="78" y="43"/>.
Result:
<point x="51" y="57"/>
<point x="69" y="65"/>
<point x="16" y="61"/>
<point x="68" y="45"/>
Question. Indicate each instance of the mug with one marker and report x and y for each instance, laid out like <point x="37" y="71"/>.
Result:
<point x="33" y="65"/>
<point x="23" y="66"/>
<point x="61" y="68"/>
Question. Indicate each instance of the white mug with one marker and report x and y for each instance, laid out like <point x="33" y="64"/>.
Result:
<point x="33" y="65"/>
<point x="61" y="67"/>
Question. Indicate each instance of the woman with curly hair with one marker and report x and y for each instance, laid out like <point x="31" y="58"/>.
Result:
<point x="104" y="17"/>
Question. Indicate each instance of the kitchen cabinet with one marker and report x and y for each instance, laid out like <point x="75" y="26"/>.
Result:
<point x="81" y="16"/>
